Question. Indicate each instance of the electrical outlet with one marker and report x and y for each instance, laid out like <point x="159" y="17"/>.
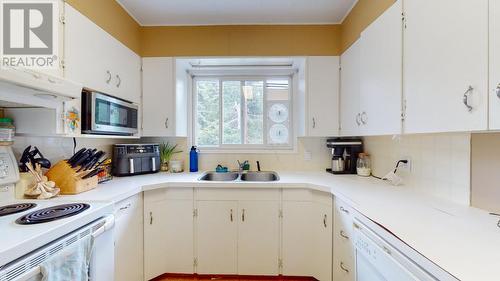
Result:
<point x="405" y="167"/>
<point x="307" y="155"/>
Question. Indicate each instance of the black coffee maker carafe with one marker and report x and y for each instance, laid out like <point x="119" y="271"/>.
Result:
<point x="345" y="153"/>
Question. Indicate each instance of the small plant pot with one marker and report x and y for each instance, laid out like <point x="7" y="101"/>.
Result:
<point x="164" y="167"/>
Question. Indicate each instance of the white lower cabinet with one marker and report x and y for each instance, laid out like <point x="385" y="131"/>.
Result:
<point x="217" y="237"/>
<point x="244" y="231"/>
<point x="168" y="232"/>
<point x="343" y="254"/>
<point x="307" y="234"/>
<point x="128" y="239"/>
<point x="258" y="237"/>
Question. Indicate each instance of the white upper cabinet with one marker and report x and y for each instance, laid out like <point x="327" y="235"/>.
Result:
<point x="99" y="61"/>
<point x="494" y="87"/>
<point x="158" y="100"/>
<point x="381" y="74"/>
<point x="350" y="79"/>
<point x="446" y="65"/>
<point x="322" y="87"/>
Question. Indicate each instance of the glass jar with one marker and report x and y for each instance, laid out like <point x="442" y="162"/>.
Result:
<point x="364" y="165"/>
<point x="7" y="131"/>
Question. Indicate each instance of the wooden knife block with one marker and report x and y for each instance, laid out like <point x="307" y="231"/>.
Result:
<point x="67" y="179"/>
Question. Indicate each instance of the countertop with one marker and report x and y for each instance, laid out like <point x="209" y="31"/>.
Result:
<point x="462" y="240"/>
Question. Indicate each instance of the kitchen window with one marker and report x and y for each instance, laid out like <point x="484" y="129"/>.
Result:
<point x="242" y="114"/>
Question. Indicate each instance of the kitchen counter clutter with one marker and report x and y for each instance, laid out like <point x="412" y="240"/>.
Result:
<point x="437" y="229"/>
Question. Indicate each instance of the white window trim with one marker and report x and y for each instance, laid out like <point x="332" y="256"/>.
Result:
<point x="245" y="148"/>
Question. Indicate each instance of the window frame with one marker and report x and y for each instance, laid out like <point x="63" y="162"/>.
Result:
<point x="266" y="147"/>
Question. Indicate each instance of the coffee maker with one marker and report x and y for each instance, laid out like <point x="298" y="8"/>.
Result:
<point x="345" y="153"/>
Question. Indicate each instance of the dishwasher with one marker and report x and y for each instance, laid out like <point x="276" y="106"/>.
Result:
<point x="377" y="259"/>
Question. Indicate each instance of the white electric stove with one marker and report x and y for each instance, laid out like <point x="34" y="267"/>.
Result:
<point x="33" y="231"/>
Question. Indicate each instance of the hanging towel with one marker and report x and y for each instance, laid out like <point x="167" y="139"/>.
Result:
<point x="71" y="264"/>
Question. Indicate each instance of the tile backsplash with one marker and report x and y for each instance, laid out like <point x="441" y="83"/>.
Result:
<point x="440" y="163"/>
<point x="319" y="160"/>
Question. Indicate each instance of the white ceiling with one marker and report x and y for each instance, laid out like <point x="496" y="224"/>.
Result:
<point x="233" y="12"/>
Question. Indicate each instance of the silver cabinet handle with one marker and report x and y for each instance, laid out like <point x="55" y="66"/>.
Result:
<point x="119" y="81"/>
<point x="344" y="210"/>
<point x="465" y="98"/>
<point x="343" y="235"/>
<point x="314" y="122"/>
<point x="342" y="266"/>
<point x="497" y="90"/>
<point x="231" y="215"/>
<point x="166" y="123"/>
<point x="109" y="76"/>
<point x="358" y="117"/>
<point x="363" y="117"/>
<point x="325" y="217"/>
<point x="243" y="215"/>
<point x="150" y="217"/>
<point x="131" y="163"/>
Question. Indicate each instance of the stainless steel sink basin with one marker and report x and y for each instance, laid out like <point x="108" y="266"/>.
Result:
<point x="260" y="176"/>
<point x="214" y="176"/>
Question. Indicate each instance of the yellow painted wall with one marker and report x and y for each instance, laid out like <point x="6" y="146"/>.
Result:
<point x="110" y="16"/>
<point x="248" y="40"/>
<point x="363" y="13"/>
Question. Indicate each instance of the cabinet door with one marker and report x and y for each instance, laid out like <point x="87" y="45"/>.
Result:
<point x="297" y="240"/>
<point x="322" y="96"/>
<point x="322" y="227"/>
<point x="126" y="72"/>
<point x="87" y="59"/>
<point x="381" y="74"/>
<point x="216" y="237"/>
<point x="494" y="100"/>
<point x="158" y="100"/>
<point x="446" y="52"/>
<point x="350" y="80"/>
<point x="258" y="238"/>
<point x="128" y="234"/>
<point x="168" y="229"/>
<point x="155" y="250"/>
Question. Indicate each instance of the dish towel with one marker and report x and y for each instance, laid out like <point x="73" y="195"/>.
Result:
<point x="71" y="263"/>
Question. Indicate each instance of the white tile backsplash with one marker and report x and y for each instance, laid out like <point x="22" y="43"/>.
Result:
<point x="440" y="162"/>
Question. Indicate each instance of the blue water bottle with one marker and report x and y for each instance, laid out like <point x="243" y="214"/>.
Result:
<point x="193" y="160"/>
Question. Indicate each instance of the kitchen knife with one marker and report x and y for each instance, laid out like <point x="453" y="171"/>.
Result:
<point x="91" y="174"/>
<point x="91" y="161"/>
<point x="81" y="159"/>
<point x="76" y="155"/>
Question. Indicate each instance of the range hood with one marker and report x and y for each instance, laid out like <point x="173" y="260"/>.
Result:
<point x="26" y="88"/>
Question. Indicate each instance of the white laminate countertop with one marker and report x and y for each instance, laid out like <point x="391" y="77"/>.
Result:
<point x="462" y="240"/>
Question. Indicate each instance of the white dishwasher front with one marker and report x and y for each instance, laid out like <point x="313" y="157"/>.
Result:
<point x="377" y="260"/>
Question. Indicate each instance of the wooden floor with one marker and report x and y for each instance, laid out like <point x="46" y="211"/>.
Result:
<point x="231" y="278"/>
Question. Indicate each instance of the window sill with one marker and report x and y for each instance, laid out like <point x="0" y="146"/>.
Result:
<point x="246" y="151"/>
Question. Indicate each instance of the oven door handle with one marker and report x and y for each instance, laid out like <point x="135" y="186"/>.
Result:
<point x="107" y="225"/>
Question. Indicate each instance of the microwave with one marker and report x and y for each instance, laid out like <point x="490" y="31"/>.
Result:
<point x="106" y="115"/>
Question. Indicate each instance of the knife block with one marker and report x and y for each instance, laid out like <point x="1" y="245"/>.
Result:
<point x="68" y="180"/>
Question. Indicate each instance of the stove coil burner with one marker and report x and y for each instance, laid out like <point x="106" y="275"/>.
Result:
<point x="15" y="208"/>
<point x="53" y="213"/>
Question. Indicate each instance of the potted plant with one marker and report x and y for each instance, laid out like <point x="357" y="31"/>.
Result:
<point x="166" y="153"/>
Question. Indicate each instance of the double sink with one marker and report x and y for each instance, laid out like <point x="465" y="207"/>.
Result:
<point x="236" y="176"/>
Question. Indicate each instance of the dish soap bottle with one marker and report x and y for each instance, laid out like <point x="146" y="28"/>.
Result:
<point x="193" y="160"/>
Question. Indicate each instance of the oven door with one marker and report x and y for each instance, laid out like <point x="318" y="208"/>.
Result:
<point x="113" y="116"/>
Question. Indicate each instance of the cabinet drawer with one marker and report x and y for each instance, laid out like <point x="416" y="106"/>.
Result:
<point x="238" y="194"/>
<point x="181" y="193"/>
